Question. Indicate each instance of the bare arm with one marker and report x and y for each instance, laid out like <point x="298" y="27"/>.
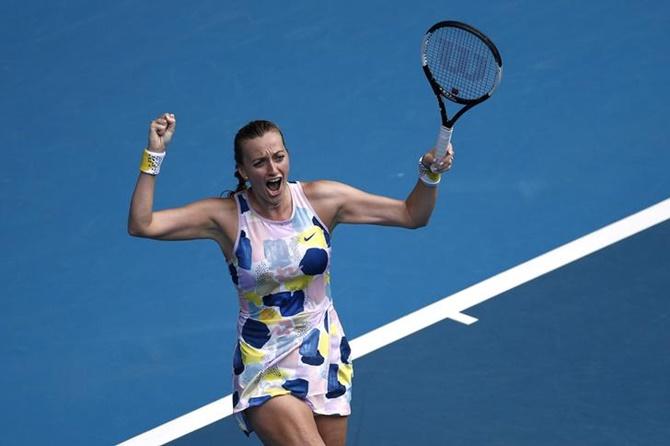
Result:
<point x="201" y="219"/>
<point x="339" y="203"/>
<point x="196" y="220"/>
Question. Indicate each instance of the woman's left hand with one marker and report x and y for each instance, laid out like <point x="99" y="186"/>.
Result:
<point x="439" y="165"/>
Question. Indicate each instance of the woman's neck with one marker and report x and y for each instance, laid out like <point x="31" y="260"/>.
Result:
<point x="280" y="211"/>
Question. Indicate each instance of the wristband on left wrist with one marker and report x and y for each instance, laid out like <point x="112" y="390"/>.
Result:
<point x="428" y="177"/>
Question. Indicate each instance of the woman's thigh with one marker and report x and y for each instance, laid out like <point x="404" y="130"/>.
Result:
<point x="284" y="421"/>
<point x="332" y="428"/>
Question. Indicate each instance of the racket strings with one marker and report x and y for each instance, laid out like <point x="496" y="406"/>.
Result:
<point x="461" y="63"/>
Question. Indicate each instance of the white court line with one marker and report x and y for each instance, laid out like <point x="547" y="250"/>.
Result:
<point x="451" y="307"/>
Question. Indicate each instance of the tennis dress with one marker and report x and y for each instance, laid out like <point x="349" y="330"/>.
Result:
<point x="290" y="340"/>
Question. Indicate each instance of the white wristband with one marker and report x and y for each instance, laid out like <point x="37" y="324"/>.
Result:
<point x="151" y="162"/>
<point x="428" y="177"/>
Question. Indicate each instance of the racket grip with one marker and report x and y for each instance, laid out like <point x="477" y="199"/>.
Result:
<point x="443" y="140"/>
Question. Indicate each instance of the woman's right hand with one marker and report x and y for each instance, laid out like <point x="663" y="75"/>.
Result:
<point x="439" y="165"/>
<point x="161" y="131"/>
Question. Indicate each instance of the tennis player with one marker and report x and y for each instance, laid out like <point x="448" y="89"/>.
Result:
<point x="292" y="369"/>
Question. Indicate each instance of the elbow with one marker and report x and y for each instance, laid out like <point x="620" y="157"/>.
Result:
<point x="417" y="224"/>
<point x="423" y="224"/>
<point x="416" y="217"/>
<point x="138" y="227"/>
<point x="135" y="231"/>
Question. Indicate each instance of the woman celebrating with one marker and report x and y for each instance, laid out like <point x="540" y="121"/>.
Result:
<point x="291" y="367"/>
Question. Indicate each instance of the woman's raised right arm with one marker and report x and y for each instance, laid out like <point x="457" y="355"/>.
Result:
<point x="197" y="220"/>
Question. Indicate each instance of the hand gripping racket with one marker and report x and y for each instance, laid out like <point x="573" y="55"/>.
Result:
<point x="462" y="65"/>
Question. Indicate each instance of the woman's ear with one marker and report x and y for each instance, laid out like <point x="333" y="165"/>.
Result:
<point x="242" y="173"/>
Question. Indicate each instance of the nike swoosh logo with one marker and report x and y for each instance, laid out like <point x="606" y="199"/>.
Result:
<point x="307" y="238"/>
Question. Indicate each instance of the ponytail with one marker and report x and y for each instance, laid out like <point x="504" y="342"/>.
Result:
<point x="241" y="184"/>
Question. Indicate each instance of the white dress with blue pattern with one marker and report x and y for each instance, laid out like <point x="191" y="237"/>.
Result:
<point x="290" y="340"/>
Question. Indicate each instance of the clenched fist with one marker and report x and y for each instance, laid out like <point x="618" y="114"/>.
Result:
<point x="161" y="132"/>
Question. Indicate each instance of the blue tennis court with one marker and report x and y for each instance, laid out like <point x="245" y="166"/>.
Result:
<point x="553" y="362"/>
<point x="107" y="337"/>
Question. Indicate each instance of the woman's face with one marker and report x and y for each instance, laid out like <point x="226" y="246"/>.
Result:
<point x="265" y="163"/>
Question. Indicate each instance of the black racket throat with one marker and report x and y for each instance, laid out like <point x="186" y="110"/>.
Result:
<point x="446" y="121"/>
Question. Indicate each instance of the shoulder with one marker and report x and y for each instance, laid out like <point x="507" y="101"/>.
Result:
<point x="323" y="189"/>
<point x="329" y="198"/>
<point x="216" y="204"/>
<point x="219" y="210"/>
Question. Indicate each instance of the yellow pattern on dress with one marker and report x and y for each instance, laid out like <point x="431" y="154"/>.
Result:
<point x="312" y="237"/>
<point x="250" y="355"/>
<point x="254" y="298"/>
<point x="269" y="315"/>
<point x="324" y="344"/>
<point x="344" y="374"/>
<point x="299" y="283"/>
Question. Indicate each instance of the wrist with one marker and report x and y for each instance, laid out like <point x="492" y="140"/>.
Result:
<point x="151" y="161"/>
<point x="156" y="149"/>
<point x="427" y="176"/>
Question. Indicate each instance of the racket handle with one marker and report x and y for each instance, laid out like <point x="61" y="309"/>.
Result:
<point x="443" y="140"/>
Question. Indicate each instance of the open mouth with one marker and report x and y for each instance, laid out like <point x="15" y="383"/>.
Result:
<point x="274" y="184"/>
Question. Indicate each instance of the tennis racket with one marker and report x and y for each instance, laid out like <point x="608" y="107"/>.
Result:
<point x="463" y="66"/>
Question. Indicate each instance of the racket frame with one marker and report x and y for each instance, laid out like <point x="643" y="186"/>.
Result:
<point x="448" y="123"/>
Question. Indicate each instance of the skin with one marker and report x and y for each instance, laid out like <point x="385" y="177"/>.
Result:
<point x="266" y="158"/>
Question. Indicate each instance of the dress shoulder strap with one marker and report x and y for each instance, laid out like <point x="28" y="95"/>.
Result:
<point x="302" y="201"/>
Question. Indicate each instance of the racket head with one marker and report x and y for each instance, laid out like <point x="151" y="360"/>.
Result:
<point x="460" y="62"/>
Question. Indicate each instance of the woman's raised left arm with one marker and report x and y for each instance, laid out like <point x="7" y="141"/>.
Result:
<point x="337" y="203"/>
